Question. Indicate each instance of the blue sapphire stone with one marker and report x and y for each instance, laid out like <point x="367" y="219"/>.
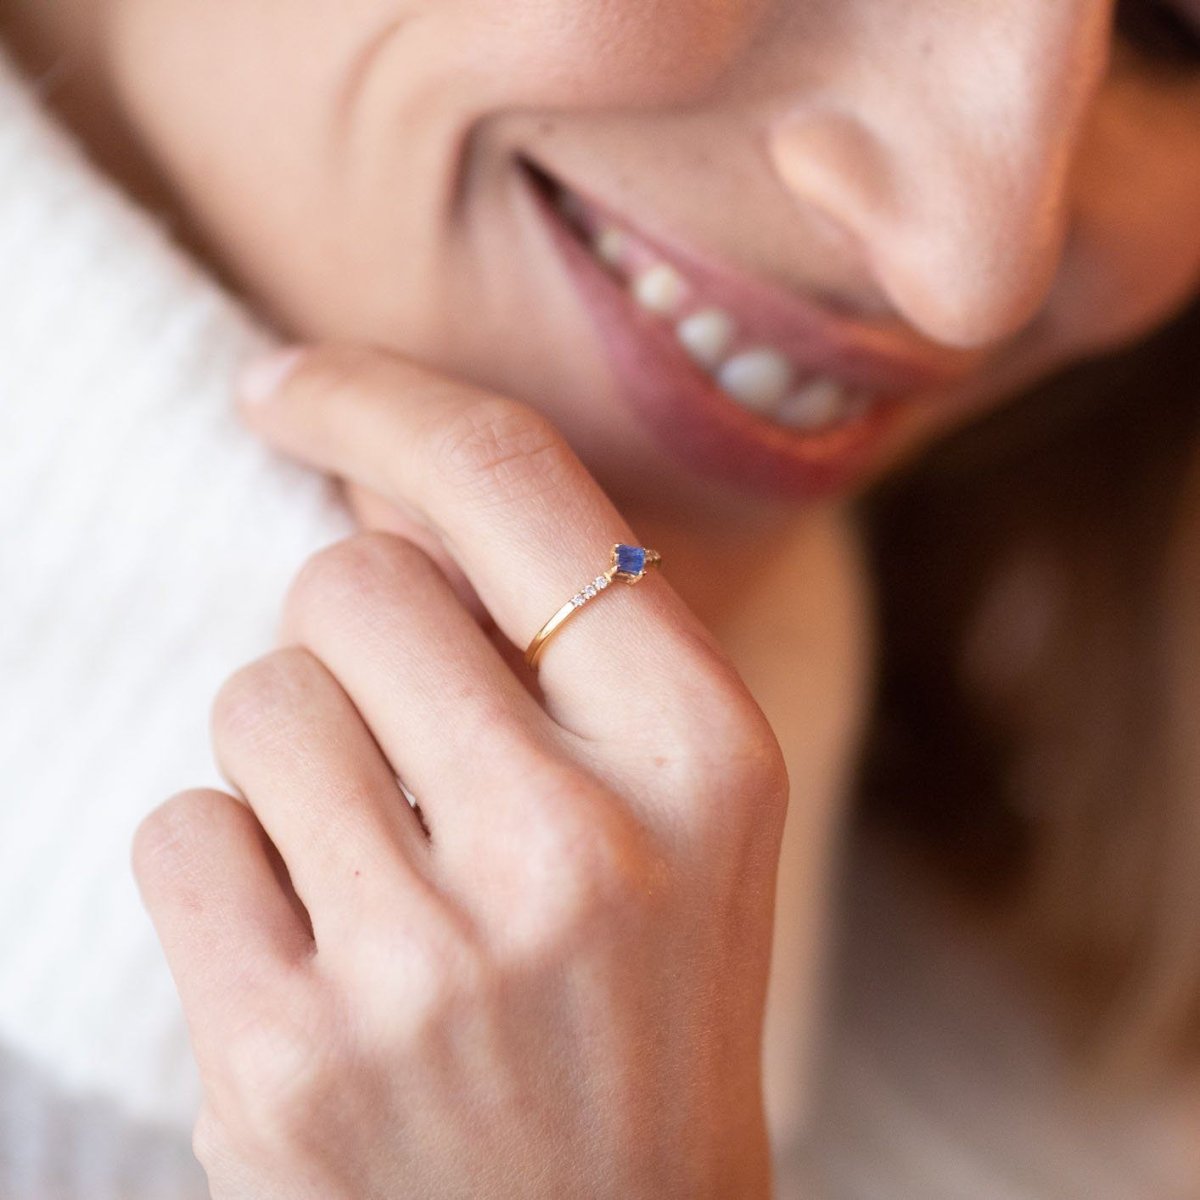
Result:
<point x="631" y="560"/>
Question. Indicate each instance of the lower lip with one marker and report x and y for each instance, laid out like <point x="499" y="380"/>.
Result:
<point x="693" y="421"/>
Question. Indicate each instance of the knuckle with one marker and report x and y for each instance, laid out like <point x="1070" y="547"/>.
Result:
<point x="740" y="780"/>
<point x="168" y="836"/>
<point x="715" y="745"/>
<point x="415" y="974"/>
<point x="450" y="980"/>
<point x="622" y="870"/>
<point x="433" y="941"/>
<point x="249" y="703"/>
<point x="208" y="1142"/>
<point x="494" y="450"/>
<point x="752" y="761"/>
<point x="759" y="755"/>
<point x="600" y="884"/>
<point x="282" y="1067"/>
<point x="718" y="730"/>
<point x="740" y="748"/>
<point x="590" y="873"/>
<point x="353" y="572"/>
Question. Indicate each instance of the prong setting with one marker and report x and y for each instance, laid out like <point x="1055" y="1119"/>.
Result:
<point x="629" y="564"/>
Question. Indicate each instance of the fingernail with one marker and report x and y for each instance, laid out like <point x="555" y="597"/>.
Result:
<point x="263" y="377"/>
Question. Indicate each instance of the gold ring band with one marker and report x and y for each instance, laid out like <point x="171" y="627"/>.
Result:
<point x="629" y="565"/>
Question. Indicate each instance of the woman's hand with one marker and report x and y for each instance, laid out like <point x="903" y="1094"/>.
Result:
<point x="558" y="992"/>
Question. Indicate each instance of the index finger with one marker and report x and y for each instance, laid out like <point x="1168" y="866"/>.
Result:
<point x="514" y="507"/>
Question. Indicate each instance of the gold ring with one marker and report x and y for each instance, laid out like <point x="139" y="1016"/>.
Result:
<point x="629" y="565"/>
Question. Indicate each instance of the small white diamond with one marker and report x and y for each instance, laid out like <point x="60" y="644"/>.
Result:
<point x="601" y="582"/>
<point x="577" y="600"/>
<point x="590" y="591"/>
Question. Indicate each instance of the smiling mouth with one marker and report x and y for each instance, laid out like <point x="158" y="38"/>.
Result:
<point x="741" y="378"/>
<point x="758" y="376"/>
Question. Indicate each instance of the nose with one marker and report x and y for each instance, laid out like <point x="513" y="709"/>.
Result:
<point x="946" y="154"/>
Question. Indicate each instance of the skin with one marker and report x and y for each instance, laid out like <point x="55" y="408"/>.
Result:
<point x="474" y="1014"/>
<point x="353" y="174"/>
<point x="1047" y="213"/>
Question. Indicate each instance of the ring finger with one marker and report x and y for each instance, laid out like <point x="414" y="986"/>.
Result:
<point x="514" y="508"/>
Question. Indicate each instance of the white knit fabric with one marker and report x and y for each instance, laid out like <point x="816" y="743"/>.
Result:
<point x="145" y="543"/>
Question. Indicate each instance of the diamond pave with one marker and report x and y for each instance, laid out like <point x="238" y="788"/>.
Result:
<point x="592" y="590"/>
<point x="629" y="565"/>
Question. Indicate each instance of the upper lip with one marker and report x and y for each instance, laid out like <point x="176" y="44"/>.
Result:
<point x="875" y="356"/>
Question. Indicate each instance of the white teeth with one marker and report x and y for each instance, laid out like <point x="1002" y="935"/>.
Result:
<point x="760" y="379"/>
<point x="661" y="289"/>
<point x="706" y="335"/>
<point x="757" y="379"/>
<point x="821" y="403"/>
<point x="610" y="246"/>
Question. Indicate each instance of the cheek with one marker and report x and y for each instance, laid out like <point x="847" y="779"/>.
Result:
<point x="245" y="100"/>
<point x="241" y="104"/>
<point x="214" y="87"/>
<point x="611" y="53"/>
<point x="1136" y="251"/>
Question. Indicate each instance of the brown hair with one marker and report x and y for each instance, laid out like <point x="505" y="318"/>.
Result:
<point x="1037" y="727"/>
